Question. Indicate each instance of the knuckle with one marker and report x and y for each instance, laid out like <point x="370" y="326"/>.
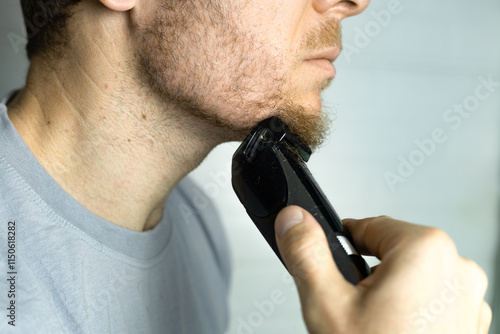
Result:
<point x="433" y="233"/>
<point x="433" y="244"/>
<point x="476" y="275"/>
<point x="304" y="254"/>
<point x="296" y="248"/>
<point x="436" y="239"/>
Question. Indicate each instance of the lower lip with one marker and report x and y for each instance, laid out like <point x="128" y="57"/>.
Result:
<point x="323" y="64"/>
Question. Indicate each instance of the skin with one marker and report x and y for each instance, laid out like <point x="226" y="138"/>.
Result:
<point x="421" y="286"/>
<point x="146" y="89"/>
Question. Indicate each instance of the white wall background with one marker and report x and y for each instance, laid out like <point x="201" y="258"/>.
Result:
<point x="397" y="80"/>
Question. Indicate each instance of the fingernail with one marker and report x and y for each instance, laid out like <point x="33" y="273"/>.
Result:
<point x="287" y="219"/>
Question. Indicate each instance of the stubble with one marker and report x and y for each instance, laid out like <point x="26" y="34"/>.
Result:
<point x="197" y="58"/>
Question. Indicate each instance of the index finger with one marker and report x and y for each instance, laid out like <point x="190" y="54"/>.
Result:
<point x="378" y="235"/>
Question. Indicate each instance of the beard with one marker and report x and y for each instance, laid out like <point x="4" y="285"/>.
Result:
<point x="202" y="62"/>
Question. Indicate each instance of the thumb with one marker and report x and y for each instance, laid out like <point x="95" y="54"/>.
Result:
<point x="304" y="248"/>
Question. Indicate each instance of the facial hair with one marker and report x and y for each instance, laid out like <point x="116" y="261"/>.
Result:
<point x="197" y="58"/>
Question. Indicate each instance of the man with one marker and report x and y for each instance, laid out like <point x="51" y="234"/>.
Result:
<point x="123" y="99"/>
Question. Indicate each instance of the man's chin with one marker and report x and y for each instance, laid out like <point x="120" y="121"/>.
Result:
<point x="309" y="123"/>
<point x="304" y="118"/>
<point x="311" y="128"/>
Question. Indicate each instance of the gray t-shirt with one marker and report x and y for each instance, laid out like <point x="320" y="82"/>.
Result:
<point x="66" y="270"/>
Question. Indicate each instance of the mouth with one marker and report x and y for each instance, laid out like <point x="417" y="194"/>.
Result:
<point x="323" y="60"/>
<point x="330" y="55"/>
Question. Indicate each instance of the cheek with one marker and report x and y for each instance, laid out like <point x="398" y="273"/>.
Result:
<point x="249" y="60"/>
<point x="270" y="21"/>
<point x="239" y="69"/>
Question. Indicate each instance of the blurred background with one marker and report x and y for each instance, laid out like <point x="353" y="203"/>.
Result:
<point x="416" y="104"/>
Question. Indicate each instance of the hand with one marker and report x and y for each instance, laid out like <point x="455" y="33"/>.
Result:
<point x="422" y="285"/>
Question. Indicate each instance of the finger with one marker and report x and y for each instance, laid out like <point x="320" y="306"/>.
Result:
<point x="361" y="250"/>
<point x="379" y="235"/>
<point x="304" y="248"/>
<point x="485" y="317"/>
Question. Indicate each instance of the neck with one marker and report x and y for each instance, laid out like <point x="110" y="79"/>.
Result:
<point x="111" y="144"/>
